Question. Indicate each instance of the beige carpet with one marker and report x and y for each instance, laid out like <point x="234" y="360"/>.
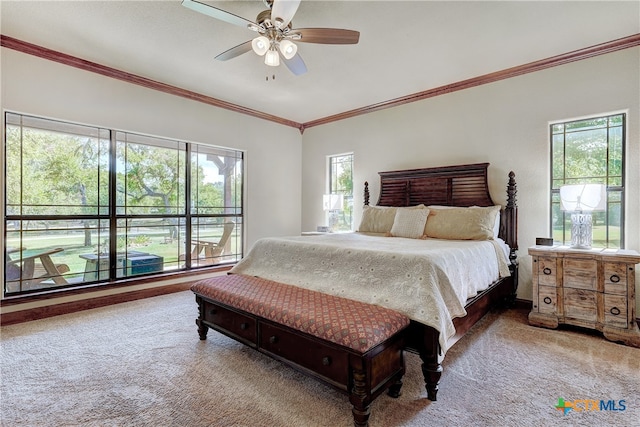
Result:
<point x="142" y="364"/>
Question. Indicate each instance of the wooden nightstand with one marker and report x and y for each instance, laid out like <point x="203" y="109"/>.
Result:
<point x="589" y="288"/>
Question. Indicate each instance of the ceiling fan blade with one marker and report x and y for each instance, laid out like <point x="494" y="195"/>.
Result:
<point x="326" y="35"/>
<point x="284" y="9"/>
<point x="234" y="51"/>
<point x="296" y="65"/>
<point x="220" y="14"/>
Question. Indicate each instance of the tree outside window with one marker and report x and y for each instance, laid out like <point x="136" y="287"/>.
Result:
<point x="92" y="205"/>
<point x="341" y="182"/>
<point x="590" y="151"/>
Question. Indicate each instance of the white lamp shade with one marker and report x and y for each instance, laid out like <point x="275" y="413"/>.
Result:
<point x="583" y="197"/>
<point x="332" y="202"/>
<point x="260" y="45"/>
<point x="288" y="49"/>
<point x="272" y="58"/>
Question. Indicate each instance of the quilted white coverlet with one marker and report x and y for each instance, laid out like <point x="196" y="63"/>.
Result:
<point x="427" y="280"/>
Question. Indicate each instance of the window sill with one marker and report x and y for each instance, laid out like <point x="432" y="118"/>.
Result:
<point x="44" y="310"/>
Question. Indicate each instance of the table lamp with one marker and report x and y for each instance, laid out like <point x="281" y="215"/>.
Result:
<point x="332" y="203"/>
<point x="581" y="200"/>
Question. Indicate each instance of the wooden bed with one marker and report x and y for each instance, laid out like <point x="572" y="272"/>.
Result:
<point x="461" y="185"/>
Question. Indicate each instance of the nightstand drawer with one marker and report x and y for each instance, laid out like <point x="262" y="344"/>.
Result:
<point x="615" y="278"/>
<point x="547" y="271"/>
<point x="580" y="273"/>
<point x="547" y="299"/>
<point x="615" y="310"/>
<point x="580" y="304"/>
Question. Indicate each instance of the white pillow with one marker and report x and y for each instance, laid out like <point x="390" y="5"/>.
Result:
<point x="455" y="223"/>
<point x="379" y="219"/>
<point x="409" y="223"/>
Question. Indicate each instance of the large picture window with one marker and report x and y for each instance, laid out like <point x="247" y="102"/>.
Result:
<point x="590" y="151"/>
<point x="92" y="205"/>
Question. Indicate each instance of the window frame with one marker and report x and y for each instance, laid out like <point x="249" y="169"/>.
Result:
<point x="334" y="188"/>
<point x="616" y="194"/>
<point x="112" y="213"/>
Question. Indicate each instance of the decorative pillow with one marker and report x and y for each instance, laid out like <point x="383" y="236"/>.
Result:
<point x="409" y="222"/>
<point x="453" y="223"/>
<point x="379" y="219"/>
<point x="496" y="225"/>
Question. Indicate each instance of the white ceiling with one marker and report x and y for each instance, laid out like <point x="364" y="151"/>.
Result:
<point x="405" y="46"/>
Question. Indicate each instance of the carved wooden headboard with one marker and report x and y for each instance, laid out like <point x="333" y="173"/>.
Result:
<point x="460" y="185"/>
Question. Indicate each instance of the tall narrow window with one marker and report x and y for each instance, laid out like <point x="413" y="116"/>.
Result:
<point x="91" y="205"/>
<point x="590" y="151"/>
<point x="341" y="183"/>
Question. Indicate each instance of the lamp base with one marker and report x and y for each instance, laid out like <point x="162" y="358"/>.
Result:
<point x="581" y="231"/>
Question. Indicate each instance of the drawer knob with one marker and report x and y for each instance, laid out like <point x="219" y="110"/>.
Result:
<point x="273" y="339"/>
<point x="326" y="361"/>
<point x="546" y="271"/>
<point x="615" y="311"/>
<point x="244" y="325"/>
<point x="213" y="311"/>
<point x="547" y="300"/>
<point x="614" y="278"/>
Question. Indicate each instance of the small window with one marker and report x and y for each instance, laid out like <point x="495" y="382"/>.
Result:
<point x="590" y="151"/>
<point x="341" y="183"/>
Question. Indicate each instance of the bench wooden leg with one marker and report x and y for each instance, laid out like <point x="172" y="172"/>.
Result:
<point x="394" y="389"/>
<point x="360" y="400"/>
<point x="202" y="328"/>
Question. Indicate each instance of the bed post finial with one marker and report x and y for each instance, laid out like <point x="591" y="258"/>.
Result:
<point x="366" y="193"/>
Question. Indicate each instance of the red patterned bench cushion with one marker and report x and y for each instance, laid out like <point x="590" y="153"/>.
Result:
<point x="345" y="322"/>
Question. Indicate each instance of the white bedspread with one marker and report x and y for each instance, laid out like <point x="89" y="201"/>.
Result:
<point x="427" y="280"/>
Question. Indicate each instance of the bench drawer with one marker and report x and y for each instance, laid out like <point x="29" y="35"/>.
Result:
<point x="325" y="360"/>
<point x="236" y="324"/>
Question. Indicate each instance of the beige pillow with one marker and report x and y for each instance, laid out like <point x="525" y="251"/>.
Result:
<point x="496" y="224"/>
<point x="473" y="223"/>
<point x="379" y="219"/>
<point x="409" y="223"/>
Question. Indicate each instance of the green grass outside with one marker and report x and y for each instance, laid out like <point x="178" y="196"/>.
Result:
<point x="599" y="233"/>
<point x="149" y="241"/>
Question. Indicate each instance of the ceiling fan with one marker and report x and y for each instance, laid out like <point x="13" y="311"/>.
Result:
<point x="275" y="33"/>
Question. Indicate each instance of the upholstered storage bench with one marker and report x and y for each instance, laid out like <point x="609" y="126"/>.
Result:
<point x="352" y="346"/>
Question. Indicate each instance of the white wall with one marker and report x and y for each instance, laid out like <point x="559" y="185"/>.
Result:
<point x="503" y="123"/>
<point x="43" y="88"/>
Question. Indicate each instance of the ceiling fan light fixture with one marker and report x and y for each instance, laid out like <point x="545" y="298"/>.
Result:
<point x="260" y="45"/>
<point x="272" y="58"/>
<point x="288" y="49"/>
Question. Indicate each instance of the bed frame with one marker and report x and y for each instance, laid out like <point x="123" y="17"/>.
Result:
<point x="461" y="185"/>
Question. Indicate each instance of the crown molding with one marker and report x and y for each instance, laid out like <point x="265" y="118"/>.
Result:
<point x="531" y="67"/>
<point x="72" y="61"/>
